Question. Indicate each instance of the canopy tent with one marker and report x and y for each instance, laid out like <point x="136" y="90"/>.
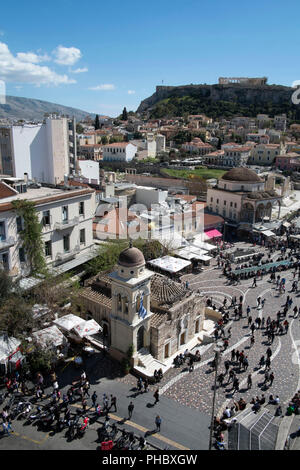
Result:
<point x="204" y="258"/>
<point x="87" y="328"/>
<point x="67" y="322"/>
<point x="169" y="239"/>
<point x="264" y="267"/>
<point x="203" y="245"/>
<point x="170" y="264"/>
<point x="191" y="252"/>
<point x="268" y="233"/>
<point x="214" y="233"/>
<point x="49" y="337"/>
<point x="8" y="347"/>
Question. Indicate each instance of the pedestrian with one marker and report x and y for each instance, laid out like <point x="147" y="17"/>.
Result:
<point x="267" y="377"/>
<point x="113" y="402"/>
<point x="252" y="341"/>
<point x="268" y="363"/>
<point x="254" y="282"/>
<point x="84" y="405"/>
<point x="245" y="363"/>
<point x="248" y="311"/>
<point x="146" y="385"/>
<point x="94" y="398"/>
<point x="233" y="355"/>
<point x="249" y="381"/>
<point x="226" y="364"/>
<point x="130" y="409"/>
<point x="271" y="378"/>
<point x="156" y="396"/>
<point x="158" y="423"/>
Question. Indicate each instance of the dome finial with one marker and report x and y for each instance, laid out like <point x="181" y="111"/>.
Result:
<point x="130" y="243"/>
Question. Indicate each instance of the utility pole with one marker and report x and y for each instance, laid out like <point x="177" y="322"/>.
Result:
<point x="217" y="351"/>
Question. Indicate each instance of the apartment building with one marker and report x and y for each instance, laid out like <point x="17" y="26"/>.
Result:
<point x="119" y="151"/>
<point x="265" y="154"/>
<point x="66" y="216"/>
<point x="44" y="152"/>
<point x="236" y="155"/>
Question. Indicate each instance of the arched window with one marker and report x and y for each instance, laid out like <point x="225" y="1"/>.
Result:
<point x="119" y="302"/>
<point x="138" y="302"/>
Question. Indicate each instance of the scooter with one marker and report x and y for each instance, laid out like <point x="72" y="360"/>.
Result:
<point x="83" y="427"/>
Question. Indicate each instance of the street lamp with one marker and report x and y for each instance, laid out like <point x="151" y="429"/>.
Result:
<point x="217" y="351"/>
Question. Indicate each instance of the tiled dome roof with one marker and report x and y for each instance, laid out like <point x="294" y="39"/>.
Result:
<point x="242" y="174"/>
<point x="131" y="257"/>
<point x="165" y="291"/>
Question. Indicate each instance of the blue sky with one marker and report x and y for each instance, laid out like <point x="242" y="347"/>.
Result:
<point x="101" y="56"/>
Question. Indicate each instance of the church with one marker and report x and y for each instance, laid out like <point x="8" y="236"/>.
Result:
<point x="138" y="307"/>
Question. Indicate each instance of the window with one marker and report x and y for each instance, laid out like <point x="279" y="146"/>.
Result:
<point x="66" y="241"/>
<point x="48" y="248"/>
<point x="224" y="203"/>
<point x="235" y="205"/>
<point x="65" y="213"/>
<point x="22" y="255"/>
<point x="46" y="218"/>
<point x="231" y="204"/>
<point x="2" y="231"/>
<point x="81" y="208"/>
<point x="82" y="236"/>
<point x="19" y="224"/>
<point x="211" y="199"/>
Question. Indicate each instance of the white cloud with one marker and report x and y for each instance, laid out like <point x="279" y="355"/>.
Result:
<point x="103" y="87"/>
<point x="131" y="92"/>
<point x="66" y="55"/>
<point x="32" y="57"/>
<point x="84" y="69"/>
<point x="296" y="83"/>
<point x="19" y="69"/>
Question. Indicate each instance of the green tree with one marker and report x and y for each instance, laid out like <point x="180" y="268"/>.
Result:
<point x="124" y="115"/>
<point x="97" y="122"/>
<point x="79" y="128"/>
<point x="31" y="235"/>
<point x="104" y="140"/>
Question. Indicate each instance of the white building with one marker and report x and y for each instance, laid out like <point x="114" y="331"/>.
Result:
<point x="119" y="151"/>
<point x="148" y="196"/>
<point x="45" y="152"/>
<point x="151" y="145"/>
<point x="66" y="217"/>
<point x="89" y="170"/>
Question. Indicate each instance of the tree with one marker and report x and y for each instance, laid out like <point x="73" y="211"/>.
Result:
<point x="5" y="286"/>
<point x="104" y="140"/>
<point x="31" y="235"/>
<point x="97" y="122"/>
<point x="79" y="128"/>
<point x="124" y="115"/>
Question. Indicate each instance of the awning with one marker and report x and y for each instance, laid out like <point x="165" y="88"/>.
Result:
<point x="87" y="328"/>
<point x="8" y="346"/>
<point x="212" y="234"/>
<point x="49" y="337"/>
<point x="67" y="322"/>
<point x="170" y="264"/>
<point x="268" y="233"/>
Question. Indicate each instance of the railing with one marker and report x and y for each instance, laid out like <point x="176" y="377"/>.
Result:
<point x="68" y="255"/>
<point x="10" y="241"/>
<point x="66" y="224"/>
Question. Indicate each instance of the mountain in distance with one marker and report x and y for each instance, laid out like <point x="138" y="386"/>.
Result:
<point x="30" y="109"/>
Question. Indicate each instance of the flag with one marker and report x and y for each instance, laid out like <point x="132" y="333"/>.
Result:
<point x="142" y="311"/>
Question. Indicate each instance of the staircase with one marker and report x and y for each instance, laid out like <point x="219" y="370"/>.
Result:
<point x="147" y="364"/>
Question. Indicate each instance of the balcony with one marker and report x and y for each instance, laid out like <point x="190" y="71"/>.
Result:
<point x="66" y="256"/>
<point x="5" y="244"/>
<point x="66" y="224"/>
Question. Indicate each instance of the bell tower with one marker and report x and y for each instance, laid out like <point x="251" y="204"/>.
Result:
<point x="130" y="313"/>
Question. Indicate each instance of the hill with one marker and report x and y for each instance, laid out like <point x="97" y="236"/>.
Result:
<point x="31" y="109"/>
<point x="220" y="100"/>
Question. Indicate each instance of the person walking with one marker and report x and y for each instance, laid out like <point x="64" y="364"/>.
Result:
<point x="130" y="409"/>
<point x="158" y="423"/>
<point x="94" y="398"/>
<point x="267" y="377"/>
<point x="249" y="381"/>
<point x="156" y="396"/>
<point x="113" y="402"/>
<point x="271" y="378"/>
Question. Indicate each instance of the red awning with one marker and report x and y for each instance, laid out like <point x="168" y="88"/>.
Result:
<point x="213" y="233"/>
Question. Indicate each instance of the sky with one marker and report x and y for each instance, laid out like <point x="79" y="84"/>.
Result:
<point x="100" y="56"/>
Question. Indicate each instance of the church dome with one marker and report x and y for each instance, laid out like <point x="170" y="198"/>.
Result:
<point x="242" y="174"/>
<point x="131" y="257"/>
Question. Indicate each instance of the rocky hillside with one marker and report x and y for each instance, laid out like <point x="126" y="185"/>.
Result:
<point x="31" y="109"/>
<point x="220" y="100"/>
